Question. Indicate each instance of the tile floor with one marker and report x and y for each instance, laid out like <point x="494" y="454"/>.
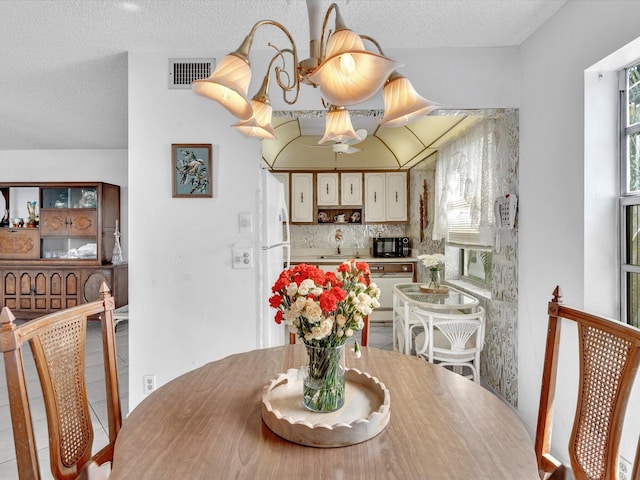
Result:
<point x="379" y="336"/>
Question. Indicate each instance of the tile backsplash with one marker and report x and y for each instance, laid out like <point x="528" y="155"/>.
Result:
<point x="353" y="236"/>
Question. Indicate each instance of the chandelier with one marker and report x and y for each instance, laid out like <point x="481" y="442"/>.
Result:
<point x="344" y="71"/>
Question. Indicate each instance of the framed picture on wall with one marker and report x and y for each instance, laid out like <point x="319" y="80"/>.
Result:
<point x="191" y="170"/>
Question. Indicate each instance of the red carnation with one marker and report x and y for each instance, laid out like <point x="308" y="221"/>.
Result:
<point x="279" y="317"/>
<point x="328" y="302"/>
<point x="275" y="301"/>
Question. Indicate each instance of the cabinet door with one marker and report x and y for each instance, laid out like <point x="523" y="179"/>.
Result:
<point x="54" y="223"/>
<point x="351" y="189"/>
<point x="374" y="203"/>
<point x="34" y="291"/>
<point x="327" y="190"/>
<point x="396" y="197"/>
<point x="83" y="223"/>
<point x="302" y="197"/>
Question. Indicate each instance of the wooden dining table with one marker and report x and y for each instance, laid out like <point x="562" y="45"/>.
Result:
<point x="207" y="424"/>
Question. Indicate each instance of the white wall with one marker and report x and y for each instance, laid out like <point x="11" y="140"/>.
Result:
<point x="108" y="166"/>
<point x="555" y="205"/>
<point x="187" y="305"/>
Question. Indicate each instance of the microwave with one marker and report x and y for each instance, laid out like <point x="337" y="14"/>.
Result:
<point x="391" y="247"/>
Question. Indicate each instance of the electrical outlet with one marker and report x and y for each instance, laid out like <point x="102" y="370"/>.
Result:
<point x="242" y="258"/>
<point x="624" y="469"/>
<point x="148" y="384"/>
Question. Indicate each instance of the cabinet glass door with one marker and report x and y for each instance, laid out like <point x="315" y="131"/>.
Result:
<point x="68" y="223"/>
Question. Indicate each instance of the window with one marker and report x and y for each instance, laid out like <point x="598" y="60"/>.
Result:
<point x="476" y="265"/>
<point x="630" y="198"/>
<point x="465" y="182"/>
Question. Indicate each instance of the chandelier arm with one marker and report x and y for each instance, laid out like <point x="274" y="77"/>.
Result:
<point x="331" y="8"/>
<point x="282" y="72"/>
<point x="375" y="42"/>
<point x="243" y="52"/>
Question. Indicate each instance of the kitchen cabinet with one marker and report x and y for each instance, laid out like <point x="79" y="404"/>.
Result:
<point x="396" y="197"/>
<point x="374" y="198"/>
<point x="327" y="189"/>
<point x="302" y="208"/>
<point x="351" y="188"/>
<point x="385" y="197"/>
<point x="62" y="254"/>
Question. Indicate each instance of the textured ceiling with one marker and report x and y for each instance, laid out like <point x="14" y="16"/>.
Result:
<point x="64" y="62"/>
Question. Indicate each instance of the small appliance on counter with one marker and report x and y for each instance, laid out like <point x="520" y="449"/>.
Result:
<point x="391" y="247"/>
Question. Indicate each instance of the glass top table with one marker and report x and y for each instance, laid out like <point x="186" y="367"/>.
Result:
<point x="409" y="296"/>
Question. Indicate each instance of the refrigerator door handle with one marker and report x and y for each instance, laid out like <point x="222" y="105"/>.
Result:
<point x="287" y="231"/>
<point x="287" y="247"/>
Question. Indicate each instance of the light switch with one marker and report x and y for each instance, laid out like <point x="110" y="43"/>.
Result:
<point x="243" y="258"/>
<point x="245" y="221"/>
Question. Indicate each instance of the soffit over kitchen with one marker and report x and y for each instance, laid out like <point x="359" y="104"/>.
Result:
<point x="384" y="148"/>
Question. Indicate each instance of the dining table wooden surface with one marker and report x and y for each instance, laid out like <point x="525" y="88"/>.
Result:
<point x="207" y="424"/>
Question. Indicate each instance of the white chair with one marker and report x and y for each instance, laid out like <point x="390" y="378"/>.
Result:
<point x="451" y="339"/>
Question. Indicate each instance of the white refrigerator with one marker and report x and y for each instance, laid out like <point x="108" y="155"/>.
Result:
<point x="275" y="254"/>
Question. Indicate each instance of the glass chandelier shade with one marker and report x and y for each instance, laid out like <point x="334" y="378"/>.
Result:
<point x="259" y="125"/>
<point x="402" y="104"/>
<point x="350" y="74"/>
<point x="338" y="126"/>
<point x="228" y="85"/>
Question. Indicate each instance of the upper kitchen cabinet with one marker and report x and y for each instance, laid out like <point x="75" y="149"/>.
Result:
<point x="302" y="207"/>
<point x="327" y="189"/>
<point x="396" y="197"/>
<point x="351" y="188"/>
<point x="386" y="197"/>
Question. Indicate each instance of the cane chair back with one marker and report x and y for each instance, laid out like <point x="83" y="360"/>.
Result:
<point x="451" y="339"/>
<point x="57" y="342"/>
<point x="609" y="355"/>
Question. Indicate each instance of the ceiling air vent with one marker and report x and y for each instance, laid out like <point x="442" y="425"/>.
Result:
<point x="183" y="71"/>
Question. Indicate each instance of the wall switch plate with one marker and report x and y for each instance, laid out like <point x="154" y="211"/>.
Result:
<point x="242" y="258"/>
<point x="245" y="221"/>
<point x="148" y="384"/>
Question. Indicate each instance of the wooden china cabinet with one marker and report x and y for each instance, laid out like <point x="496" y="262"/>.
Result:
<point x="57" y="255"/>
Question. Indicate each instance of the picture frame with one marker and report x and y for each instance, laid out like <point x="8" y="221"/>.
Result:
<point x="191" y="166"/>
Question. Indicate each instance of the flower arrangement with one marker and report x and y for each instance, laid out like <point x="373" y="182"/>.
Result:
<point x="324" y="309"/>
<point x="434" y="263"/>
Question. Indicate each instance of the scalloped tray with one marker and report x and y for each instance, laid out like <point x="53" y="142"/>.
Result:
<point x="364" y="415"/>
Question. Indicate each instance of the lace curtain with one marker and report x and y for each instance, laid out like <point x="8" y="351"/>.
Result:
<point x="466" y="176"/>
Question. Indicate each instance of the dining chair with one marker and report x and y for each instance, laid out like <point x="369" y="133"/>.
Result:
<point x="451" y="339"/>
<point x="57" y="343"/>
<point x="609" y="355"/>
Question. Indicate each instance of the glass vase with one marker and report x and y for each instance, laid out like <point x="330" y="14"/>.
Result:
<point x="434" y="278"/>
<point x="324" y="384"/>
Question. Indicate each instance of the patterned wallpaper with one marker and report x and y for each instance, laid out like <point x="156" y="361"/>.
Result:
<point x="499" y="360"/>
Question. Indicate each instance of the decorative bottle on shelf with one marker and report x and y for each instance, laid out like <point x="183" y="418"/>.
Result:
<point x="116" y="256"/>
